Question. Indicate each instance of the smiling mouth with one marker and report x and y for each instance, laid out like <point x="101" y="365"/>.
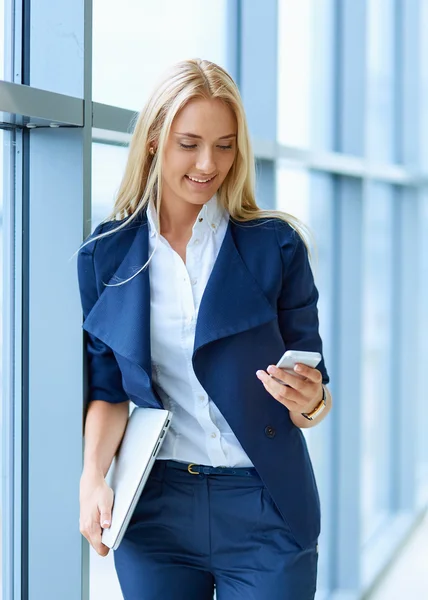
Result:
<point x="197" y="180"/>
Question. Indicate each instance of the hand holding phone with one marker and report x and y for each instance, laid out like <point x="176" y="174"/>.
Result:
<point x="291" y="358"/>
<point x="297" y="396"/>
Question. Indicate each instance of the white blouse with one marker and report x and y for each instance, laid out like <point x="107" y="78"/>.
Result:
<point x="198" y="433"/>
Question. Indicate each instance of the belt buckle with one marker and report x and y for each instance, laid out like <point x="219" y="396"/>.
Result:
<point x="189" y="468"/>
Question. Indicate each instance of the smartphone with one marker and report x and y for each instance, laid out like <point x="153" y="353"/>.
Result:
<point x="290" y="358"/>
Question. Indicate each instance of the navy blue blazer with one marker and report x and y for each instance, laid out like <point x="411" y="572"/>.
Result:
<point x="259" y="301"/>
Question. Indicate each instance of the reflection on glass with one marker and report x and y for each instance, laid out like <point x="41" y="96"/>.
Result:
<point x="380" y="80"/>
<point x="133" y="46"/>
<point x="376" y="355"/>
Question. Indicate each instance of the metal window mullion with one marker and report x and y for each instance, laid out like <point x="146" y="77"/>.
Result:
<point x="321" y="438"/>
<point x="59" y="217"/>
<point x="12" y="359"/>
<point x="422" y="352"/>
<point x="395" y="352"/>
<point x="350" y="126"/>
<point x="233" y="39"/>
<point x="86" y="166"/>
<point x="346" y="417"/>
<point x="259" y="66"/>
<point x="12" y="371"/>
<point x="407" y="91"/>
<point x="39" y="106"/>
<point x="408" y="332"/>
<point x="258" y="80"/>
<point x="351" y="76"/>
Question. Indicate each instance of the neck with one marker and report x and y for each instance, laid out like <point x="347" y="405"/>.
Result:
<point x="177" y="217"/>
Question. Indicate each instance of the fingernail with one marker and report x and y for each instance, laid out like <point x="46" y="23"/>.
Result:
<point x="106" y="523"/>
<point x="297" y="368"/>
<point x="258" y="373"/>
<point x="271" y="369"/>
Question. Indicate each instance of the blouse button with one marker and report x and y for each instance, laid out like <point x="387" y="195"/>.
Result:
<point x="213" y="435"/>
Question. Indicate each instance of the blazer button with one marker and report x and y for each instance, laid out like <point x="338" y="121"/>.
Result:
<point x="270" y="431"/>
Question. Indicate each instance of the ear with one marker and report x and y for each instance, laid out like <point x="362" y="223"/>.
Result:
<point x="152" y="149"/>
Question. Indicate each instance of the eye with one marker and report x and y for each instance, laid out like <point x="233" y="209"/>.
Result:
<point x="226" y="147"/>
<point x="188" y="147"/>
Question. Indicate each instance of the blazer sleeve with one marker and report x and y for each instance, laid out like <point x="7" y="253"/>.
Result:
<point x="297" y="304"/>
<point x="104" y="378"/>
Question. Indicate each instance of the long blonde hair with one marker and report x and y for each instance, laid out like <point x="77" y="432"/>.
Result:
<point x="141" y="181"/>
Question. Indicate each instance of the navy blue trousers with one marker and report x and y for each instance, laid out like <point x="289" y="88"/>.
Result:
<point x="191" y="532"/>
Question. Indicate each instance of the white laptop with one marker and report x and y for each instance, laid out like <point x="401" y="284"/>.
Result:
<point x="130" y="469"/>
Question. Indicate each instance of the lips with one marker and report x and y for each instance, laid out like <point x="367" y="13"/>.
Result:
<point x="200" y="179"/>
<point x="198" y="185"/>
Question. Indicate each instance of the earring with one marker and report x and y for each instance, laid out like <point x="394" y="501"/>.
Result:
<point x="152" y="150"/>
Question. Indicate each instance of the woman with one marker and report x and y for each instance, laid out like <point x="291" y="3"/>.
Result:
<point x="189" y="291"/>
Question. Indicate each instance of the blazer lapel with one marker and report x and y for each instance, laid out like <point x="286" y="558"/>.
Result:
<point x="233" y="300"/>
<point x="121" y="316"/>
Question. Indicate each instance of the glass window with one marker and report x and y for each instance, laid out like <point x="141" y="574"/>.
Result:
<point x="56" y="44"/>
<point x="381" y="72"/>
<point x="108" y="166"/>
<point x="2" y="30"/>
<point x="305" y="73"/>
<point x="132" y="47"/>
<point x="5" y="40"/>
<point x="293" y="190"/>
<point x="377" y="345"/>
<point x="294" y="71"/>
<point x="309" y="197"/>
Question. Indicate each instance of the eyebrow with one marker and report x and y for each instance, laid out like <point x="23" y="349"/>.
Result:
<point x="199" y="137"/>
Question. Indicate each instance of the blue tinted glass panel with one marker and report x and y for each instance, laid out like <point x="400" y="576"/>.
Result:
<point x="377" y="328"/>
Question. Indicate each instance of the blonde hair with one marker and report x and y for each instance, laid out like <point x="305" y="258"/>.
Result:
<point x="185" y="81"/>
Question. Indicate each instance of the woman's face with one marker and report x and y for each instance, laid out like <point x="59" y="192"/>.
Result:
<point x="202" y="146"/>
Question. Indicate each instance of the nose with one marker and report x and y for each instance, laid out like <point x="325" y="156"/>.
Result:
<point x="205" y="162"/>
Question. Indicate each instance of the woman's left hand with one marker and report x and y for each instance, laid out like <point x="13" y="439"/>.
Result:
<point x="299" y="395"/>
